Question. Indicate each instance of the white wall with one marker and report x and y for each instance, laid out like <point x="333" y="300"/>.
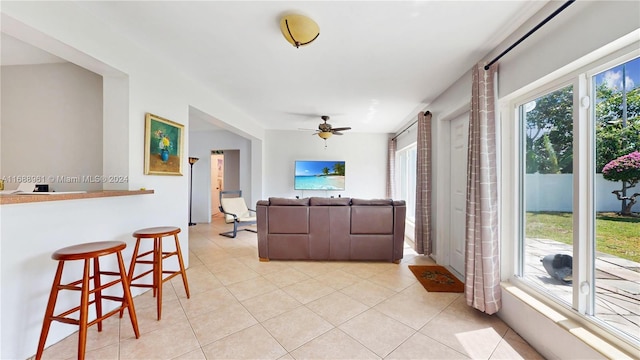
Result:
<point x="201" y="145"/>
<point x="141" y="85"/>
<point x="365" y="157"/>
<point x="52" y="125"/>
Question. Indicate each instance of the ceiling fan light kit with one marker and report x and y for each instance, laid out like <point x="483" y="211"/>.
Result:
<point x="299" y="30"/>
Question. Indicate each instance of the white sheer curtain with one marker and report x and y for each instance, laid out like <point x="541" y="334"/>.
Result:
<point x="482" y="260"/>
<point x="423" y="241"/>
<point x="391" y="168"/>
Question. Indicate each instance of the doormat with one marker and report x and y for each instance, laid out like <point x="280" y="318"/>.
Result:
<point x="436" y="278"/>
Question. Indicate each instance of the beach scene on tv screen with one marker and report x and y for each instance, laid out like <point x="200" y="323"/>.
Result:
<point x="319" y="175"/>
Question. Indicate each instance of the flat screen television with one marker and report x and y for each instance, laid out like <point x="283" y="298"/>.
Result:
<point x="319" y="175"/>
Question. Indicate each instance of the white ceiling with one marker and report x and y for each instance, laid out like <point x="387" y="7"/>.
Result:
<point x="373" y="67"/>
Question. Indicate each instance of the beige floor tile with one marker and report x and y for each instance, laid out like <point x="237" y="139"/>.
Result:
<point x="296" y="327"/>
<point x="221" y="322"/>
<point x="334" y="344"/>
<point x="153" y="345"/>
<point x="316" y="268"/>
<point x="337" y="308"/>
<point x="338" y="279"/>
<point x="393" y="280"/>
<point x="466" y="330"/>
<point x="225" y="264"/>
<point x="266" y="306"/>
<point x="378" y="332"/>
<point x="286" y="277"/>
<point x="236" y="346"/>
<point x="263" y="267"/>
<point x="308" y="291"/>
<point x="365" y="270"/>
<point x="421" y="347"/>
<point x="204" y="302"/>
<point x="512" y="346"/>
<point x="197" y="354"/>
<point x="147" y="299"/>
<point x="199" y="279"/>
<point x="367" y="292"/>
<point x="415" y="306"/>
<point x="250" y="288"/>
<point x="236" y="275"/>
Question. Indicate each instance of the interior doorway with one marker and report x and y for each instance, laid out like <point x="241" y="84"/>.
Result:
<point x="225" y="175"/>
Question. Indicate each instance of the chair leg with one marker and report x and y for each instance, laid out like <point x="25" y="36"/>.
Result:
<point x="98" y="293"/>
<point x="46" y="323"/>
<point x="84" y="311"/>
<point x="157" y="286"/>
<point x="231" y="234"/>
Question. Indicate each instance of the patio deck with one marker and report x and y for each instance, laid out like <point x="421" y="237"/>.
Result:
<point x="617" y="284"/>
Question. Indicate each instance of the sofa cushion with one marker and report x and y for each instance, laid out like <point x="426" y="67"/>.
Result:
<point x="372" y="219"/>
<point x="371" y="202"/>
<point x="288" y="201"/>
<point x="322" y="201"/>
<point x="288" y="219"/>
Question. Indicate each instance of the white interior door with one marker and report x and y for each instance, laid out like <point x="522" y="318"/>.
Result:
<point x="457" y="201"/>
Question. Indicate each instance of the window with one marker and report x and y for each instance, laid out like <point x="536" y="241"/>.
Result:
<point x="579" y="244"/>
<point x="407" y="183"/>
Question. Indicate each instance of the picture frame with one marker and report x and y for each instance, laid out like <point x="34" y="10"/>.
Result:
<point x="163" y="146"/>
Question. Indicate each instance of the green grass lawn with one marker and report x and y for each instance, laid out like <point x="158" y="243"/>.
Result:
<point x="616" y="235"/>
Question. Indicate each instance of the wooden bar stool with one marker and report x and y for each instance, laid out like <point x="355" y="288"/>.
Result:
<point x="89" y="252"/>
<point x="157" y="257"/>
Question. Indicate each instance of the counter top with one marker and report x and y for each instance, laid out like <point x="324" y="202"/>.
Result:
<point x="31" y="198"/>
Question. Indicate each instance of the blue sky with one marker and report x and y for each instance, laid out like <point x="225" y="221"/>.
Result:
<point x="309" y="168"/>
<point x="613" y="77"/>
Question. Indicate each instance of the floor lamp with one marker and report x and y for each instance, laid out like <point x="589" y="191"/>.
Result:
<point x="192" y="160"/>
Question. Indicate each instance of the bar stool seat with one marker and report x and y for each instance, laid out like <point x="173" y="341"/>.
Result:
<point x="157" y="256"/>
<point x="90" y="253"/>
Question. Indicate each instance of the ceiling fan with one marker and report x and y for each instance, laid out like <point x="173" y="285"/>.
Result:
<point x="325" y="130"/>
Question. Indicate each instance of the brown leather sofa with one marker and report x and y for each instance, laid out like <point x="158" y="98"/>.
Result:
<point x="330" y="229"/>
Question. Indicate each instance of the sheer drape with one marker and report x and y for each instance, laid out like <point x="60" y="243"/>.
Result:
<point x="391" y="169"/>
<point x="423" y="242"/>
<point x="482" y="268"/>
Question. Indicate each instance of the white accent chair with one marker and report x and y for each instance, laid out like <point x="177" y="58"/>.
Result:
<point x="235" y="211"/>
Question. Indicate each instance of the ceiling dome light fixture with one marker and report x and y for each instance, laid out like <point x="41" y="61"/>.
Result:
<point x="299" y="30"/>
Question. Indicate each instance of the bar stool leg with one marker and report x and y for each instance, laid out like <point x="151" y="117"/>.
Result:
<point x="158" y="266"/>
<point x="46" y="323"/>
<point x="181" y="263"/>
<point x="127" y="298"/>
<point x="84" y="310"/>
<point x="98" y="293"/>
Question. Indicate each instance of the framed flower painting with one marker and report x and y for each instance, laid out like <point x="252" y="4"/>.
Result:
<point x="162" y="146"/>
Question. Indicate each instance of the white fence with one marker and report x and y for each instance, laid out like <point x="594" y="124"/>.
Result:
<point x="553" y="192"/>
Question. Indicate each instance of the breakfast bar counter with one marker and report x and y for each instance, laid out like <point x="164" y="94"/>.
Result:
<point x="37" y="197"/>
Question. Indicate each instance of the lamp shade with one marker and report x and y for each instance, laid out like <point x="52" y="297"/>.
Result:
<point x="192" y="160"/>
<point x="325" y="134"/>
<point x="298" y="29"/>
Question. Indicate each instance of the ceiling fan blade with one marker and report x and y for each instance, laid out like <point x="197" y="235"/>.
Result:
<point x="336" y="133"/>
<point x="341" y="128"/>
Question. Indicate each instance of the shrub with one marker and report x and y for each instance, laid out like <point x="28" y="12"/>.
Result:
<point x="624" y="168"/>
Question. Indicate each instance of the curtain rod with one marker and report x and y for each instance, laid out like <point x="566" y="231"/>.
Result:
<point x="407" y="128"/>
<point x="564" y="6"/>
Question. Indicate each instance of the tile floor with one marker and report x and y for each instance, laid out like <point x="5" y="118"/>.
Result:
<point x="241" y="308"/>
